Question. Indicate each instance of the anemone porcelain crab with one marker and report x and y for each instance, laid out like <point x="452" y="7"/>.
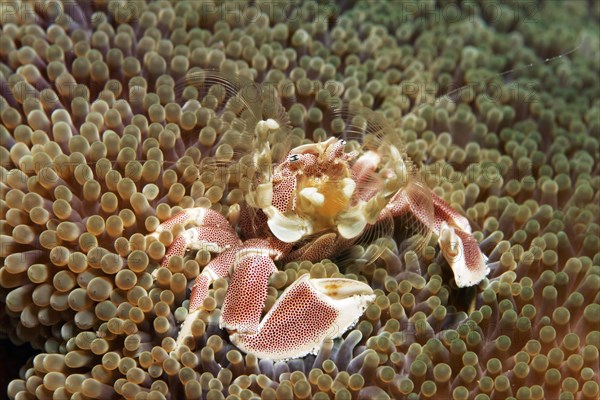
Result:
<point x="317" y="192"/>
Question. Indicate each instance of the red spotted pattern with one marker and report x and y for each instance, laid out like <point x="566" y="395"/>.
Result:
<point x="323" y="247"/>
<point x="444" y="212"/>
<point x="285" y="179"/>
<point x="335" y="151"/>
<point x="199" y="291"/>
<point x="208" y="217"/>
<point x="310" y="164"/>
<point x="247" y="293"/>
<point x="299" y="318"/>
<point x="414" y="199"/>
<point x="474" y="260"/>
<point x="222" y="237"/>
<point x="218" y="267"/>
<point x="199" y="216"/>
<point x="284" y="198"/>
<point x="177" y="248"/>
<point x="253" y="223"/>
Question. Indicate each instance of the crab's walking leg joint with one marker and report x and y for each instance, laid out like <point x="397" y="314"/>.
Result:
<point x="214" y="240"/>
<point x="211" y="232"/>
<point x="217" y="268"/>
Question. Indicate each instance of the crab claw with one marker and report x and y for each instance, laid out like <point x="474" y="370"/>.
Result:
<point x="309" y="311"/>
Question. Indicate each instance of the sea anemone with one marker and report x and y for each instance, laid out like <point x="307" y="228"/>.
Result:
<point x="104" y="136"/>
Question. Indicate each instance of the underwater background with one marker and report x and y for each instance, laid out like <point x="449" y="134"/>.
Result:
<point x="497" y="102"/>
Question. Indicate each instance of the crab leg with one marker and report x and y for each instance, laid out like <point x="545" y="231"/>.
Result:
<point x="198" y="216"/>
<point x="217" y="268"/>
<point x="212" y="231"/>
<point x="458" y="245"/>
<point x="251" y="268"/>
<point x="215" y="240"/>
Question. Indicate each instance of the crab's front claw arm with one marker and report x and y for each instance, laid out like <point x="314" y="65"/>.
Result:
<point x="247" y="293"/>
<point x="309" y="311"/>
<point x="250" y="265"/>
<point x="458" y="246"/>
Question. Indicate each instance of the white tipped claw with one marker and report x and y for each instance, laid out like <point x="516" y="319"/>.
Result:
<point x="341" y="288"/>
<point x="449" y="242"/>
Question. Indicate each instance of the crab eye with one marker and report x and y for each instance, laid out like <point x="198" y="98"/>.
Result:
<point x="342" y="142"/>
<point x="294" y="157"/>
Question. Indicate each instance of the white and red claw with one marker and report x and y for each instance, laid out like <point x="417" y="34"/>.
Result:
<point x="308" y="312"/>
<point x="452" y="229"/>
